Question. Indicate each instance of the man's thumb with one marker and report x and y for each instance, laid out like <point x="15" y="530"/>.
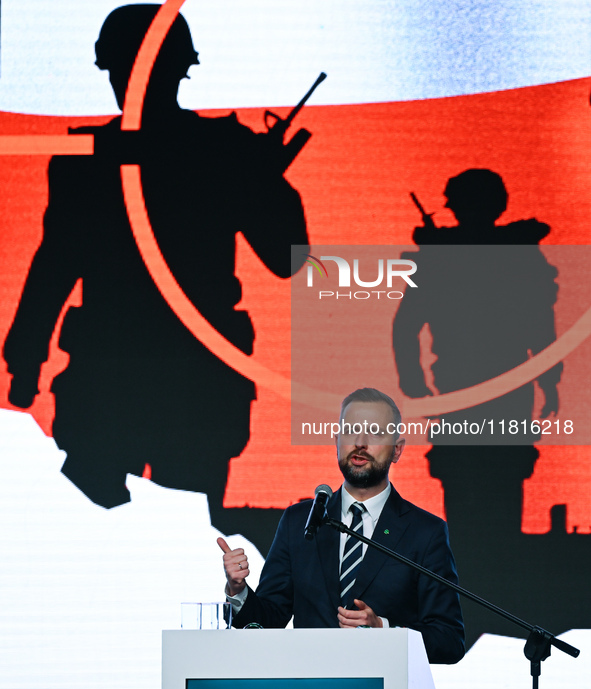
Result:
<point x="223" y="545"/>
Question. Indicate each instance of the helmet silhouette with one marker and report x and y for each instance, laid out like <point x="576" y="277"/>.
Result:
<point x="122" y="34"/>
<point x="477" y="193"/>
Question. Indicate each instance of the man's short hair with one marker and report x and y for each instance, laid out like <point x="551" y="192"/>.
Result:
<point x="372" y="395"/>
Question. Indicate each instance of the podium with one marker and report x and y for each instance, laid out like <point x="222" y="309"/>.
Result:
<point x="295" y="659"/>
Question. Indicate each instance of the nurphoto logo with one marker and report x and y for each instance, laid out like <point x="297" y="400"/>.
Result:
<point x="387" y="270"/>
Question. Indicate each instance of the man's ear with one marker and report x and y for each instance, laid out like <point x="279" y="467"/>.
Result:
<point x="398" y="448"/>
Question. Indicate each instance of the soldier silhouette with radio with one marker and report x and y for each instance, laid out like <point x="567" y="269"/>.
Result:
<point x="139" y="389"/>
<point x="487" y="294"/>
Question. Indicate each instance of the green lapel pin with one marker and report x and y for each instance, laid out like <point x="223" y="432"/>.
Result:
<point x="386" y="531"/>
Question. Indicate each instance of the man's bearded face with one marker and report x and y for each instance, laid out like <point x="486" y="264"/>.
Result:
<point x="365" y="457"/>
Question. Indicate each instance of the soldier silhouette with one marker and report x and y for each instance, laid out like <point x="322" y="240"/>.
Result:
<point x="139" y="388"/>
<point x="487" y="293"/>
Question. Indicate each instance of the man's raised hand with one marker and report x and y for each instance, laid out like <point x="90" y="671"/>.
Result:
<point x="235" y="567"/>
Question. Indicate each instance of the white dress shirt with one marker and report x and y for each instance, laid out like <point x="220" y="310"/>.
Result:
<point x="373" y="510"/>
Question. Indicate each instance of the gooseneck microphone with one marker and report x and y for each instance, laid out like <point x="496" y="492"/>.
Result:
<point x="318" y="512"/>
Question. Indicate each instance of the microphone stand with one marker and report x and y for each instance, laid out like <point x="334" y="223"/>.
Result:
<point x="539" y="642"/>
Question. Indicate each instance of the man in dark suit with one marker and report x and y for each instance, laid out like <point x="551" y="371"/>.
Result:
<point x="332" y="581"/>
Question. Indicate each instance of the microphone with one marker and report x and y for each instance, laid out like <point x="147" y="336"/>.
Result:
<point x="318" y="512"/>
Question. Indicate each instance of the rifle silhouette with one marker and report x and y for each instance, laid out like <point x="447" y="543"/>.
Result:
<point x="277" y="130"/>
<point x="427" y="217"/>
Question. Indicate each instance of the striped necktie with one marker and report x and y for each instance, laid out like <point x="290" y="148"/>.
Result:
<point x="352" y="554"/>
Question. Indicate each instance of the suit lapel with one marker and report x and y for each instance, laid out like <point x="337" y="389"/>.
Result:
<point x="327" y="544"/>
<point x="388" y="532"/>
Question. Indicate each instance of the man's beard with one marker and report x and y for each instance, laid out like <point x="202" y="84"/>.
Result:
<point x="370" y="475"/>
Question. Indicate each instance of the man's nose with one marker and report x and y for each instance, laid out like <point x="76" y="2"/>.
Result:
<point x="361" y="440"/>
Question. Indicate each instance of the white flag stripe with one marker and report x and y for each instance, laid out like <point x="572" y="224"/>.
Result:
<point x="265" y="53"/>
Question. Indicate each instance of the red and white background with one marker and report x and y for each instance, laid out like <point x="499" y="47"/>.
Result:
<point x="418" y="91"/>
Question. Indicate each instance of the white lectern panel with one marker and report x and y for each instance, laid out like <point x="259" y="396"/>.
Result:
<point x="396" y="655"/>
